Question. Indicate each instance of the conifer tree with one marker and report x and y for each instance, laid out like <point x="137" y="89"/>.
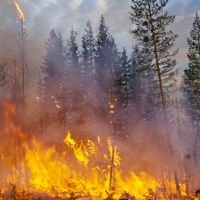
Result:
<point x="54" y="76"/>
<point x="107" y="68"/>
<point x="72" y="53"/>
<point x="16" y="89"/>
<point x="155" y="41"/>
<point x="106" y="61"/>
<point x="136" y="90"/>
<point x="151" y="32"/>
<point x="192" y="73"/>
<point x="88" y="81"/>
<point x="88" y="55"/>
<point x="123" y="79"/>
<point x="101" y="59"/>
<point x="192" y="87"/>
<point x="22" y="44"/>
<point x="73" y="82"/>
<point x="40" y="102"/>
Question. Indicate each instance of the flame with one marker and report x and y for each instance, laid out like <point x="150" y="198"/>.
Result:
<point x="9" y="124"/>
<point x="52" y="173"/>
<point x="81" y="168"/>
<point x="21" y="15"/>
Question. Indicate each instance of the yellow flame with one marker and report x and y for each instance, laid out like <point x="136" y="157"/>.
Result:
<point x="21" y="15"/>
<point x="81" y="167"/>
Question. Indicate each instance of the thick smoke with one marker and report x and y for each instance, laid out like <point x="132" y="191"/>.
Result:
<point x="145" y="144"/>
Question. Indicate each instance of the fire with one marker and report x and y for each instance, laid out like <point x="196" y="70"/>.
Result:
<point x="9" y="125"/>
<point x="52" y="173"/>
<point x="21" y="15"/>
<point x="81" y="168"/>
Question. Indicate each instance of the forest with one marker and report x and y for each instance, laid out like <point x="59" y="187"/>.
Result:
<point x="103" y="124"/>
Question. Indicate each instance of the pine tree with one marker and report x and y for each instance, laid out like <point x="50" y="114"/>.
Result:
<point x="54" y="77"/>
<point x="107" y="60"/>
<point x="22" y="44"/>
<point x="192" y="74"/>
<point x="88" y="82"/>
<point x="72" y="53"/>
<point x="16" y="89"/>
<point x="123" y="78"/>
<point x="148" y="86"/>
<point x="155" y="41"/>
<point x="192" y="86"/>
<point x="73" y="82"/>
<point x="136" y="90"/>
<point x="40" y="102"/>
<point x="101" y="59"/>
<point x="107" y="68"/>
<point x="88" y="55"/>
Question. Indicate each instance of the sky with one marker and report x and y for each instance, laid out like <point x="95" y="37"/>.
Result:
<point x="43" y="15"/>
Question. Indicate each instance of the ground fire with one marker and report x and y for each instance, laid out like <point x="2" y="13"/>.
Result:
<point x="81" y="168"/>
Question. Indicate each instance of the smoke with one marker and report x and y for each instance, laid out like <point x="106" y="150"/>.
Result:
<point x="146" y="148"/>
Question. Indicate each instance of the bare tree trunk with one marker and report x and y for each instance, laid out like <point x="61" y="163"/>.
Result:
<point x="22" y="60"/>
<point x="161" y="164"/>
<point x="195" y="174"/>
<point x="112" y="161"/>
<point x="179" y="125"/>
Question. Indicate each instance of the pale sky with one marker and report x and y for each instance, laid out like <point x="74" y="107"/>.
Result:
<point x="43" y="15"/>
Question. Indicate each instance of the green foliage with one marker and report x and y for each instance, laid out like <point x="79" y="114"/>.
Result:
<point x="53" y="70"/>
<point x="107" y="61"/>
<point x="151" y="24"/>
<point x="192" y="74"/>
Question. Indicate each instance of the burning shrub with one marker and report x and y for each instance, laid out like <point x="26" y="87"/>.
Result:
<point x="18" y="194"/>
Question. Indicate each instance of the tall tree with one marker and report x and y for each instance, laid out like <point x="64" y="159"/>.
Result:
<point x="88" y="81"/>
<point x="88" y="55"/>
<point x="74" y="87"/>
<point x="22" y="44"/>
<point x="16" y="89"/>
<point x="155" y="41"/>
<point x="192" y="73"/>
<point x="40" y="102"/>
<point x="107" y="68"/>
<point x="123" y="93"/>
<point x="106" y="60"/>
<point x="54" y="76"/>
<point x="192" y="86"/>
<point x="150" y="30"/>
<point x="136" y="90"/>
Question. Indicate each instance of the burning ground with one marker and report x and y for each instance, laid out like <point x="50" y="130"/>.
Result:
<point x="80" y="167"/>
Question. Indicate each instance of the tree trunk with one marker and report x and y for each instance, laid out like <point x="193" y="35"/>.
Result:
<point x="163" y="103"/>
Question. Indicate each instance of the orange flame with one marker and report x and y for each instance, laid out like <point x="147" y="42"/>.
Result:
<point x="21" y="15"/>
<point x="81" y="168"/>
